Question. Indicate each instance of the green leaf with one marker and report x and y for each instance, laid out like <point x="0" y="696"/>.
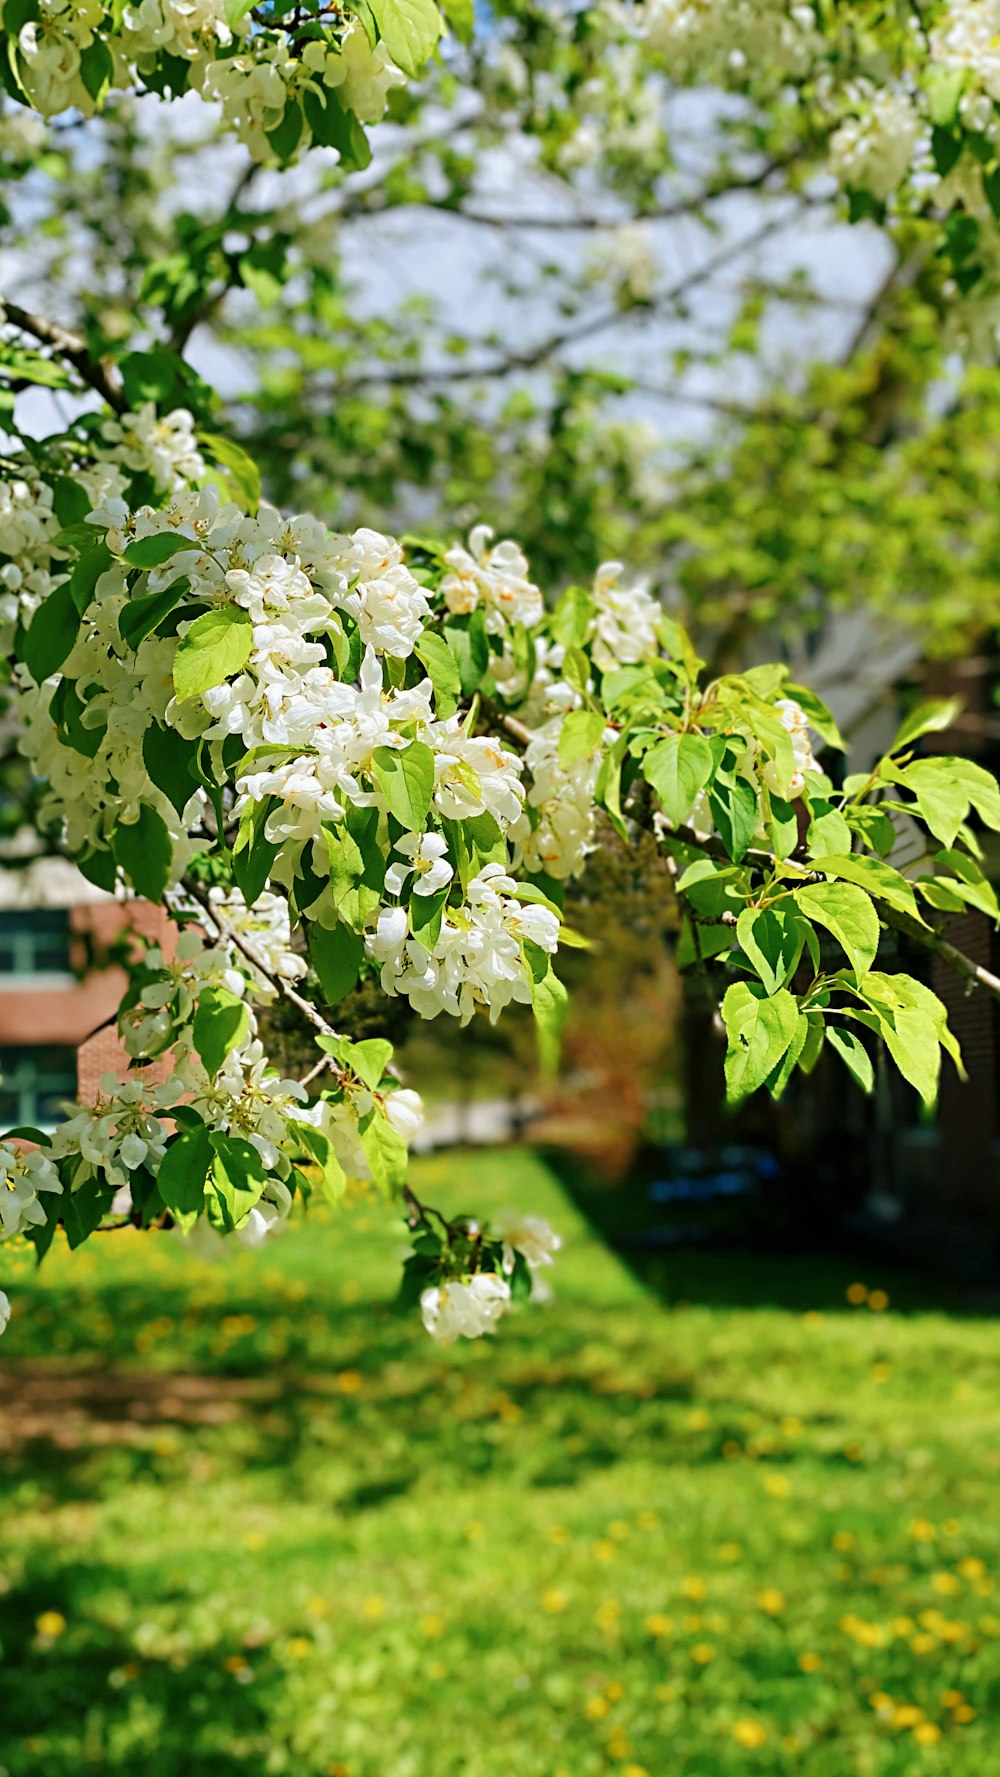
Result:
<point x="734" y="808"/>
<point x="169" y="760"/>
<point x="550" y="1004"/>
<point x="773" y="940"/>
<point x="818" y="715"/>
<point x="221" y="1024"/>
<point x="336" y="956"/>
<point x="580" y="735"/>
<point x="51" y="633"/>
<point x="67" y="709"/>
<point x="333" y="126"/>
<point x="332" y="1174"/>
<point x="678" y="768"/>
<point x="759" y="1028"/>
<point x="216" y="646"/>
<point x="287" y="134"/>
<point x="368" y="1059"/>
<point x="144" y="850"/>
<point x="944" y="88"/>
<point x="406" y="780"/>
<point x="442" y="670"/>
<point x="141" y="616"/>
<point x="461" y="16"/>
<point x="385" y="1151"/>
<point x="183" y="1172"/>
<point x="409" y="29"/>
<point x="848" y="914"/>
<point x="84" y="1209"/>
<point x="149" y="552"/>
<point x="828" y="830"/>
<point x="85" y="573"/>
<point x="853" y="1054"/>
<point x="469" y="643"/>
<point x="879" y="880"/>
<point x="240" y="469"/>
<point x="237" y="1176"/>
<point x="945" y="788"/>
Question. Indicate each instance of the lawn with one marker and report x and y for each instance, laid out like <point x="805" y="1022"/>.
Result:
<point x="253" y="1522"/>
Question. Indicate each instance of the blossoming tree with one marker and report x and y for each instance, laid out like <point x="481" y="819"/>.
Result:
<point x="333" y="756"/>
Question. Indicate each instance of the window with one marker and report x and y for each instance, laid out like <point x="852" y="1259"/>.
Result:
<point x="34" y="1084"/>
<point x="34" y="942"/>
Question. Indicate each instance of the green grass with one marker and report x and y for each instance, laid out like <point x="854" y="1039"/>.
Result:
<point x="252" y="1522"/>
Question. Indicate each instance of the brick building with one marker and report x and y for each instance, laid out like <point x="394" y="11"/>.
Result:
<point x="59" y="988"/>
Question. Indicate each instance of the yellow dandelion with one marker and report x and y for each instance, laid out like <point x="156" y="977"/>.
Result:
<point x="927" y="1733"/>
<point x="923" y="1644"/>
<point x="51" y="1624"/>
<point x="749" y="1733"/>
<point x="373" y="1608"/>
<point x="604" y="1550"/>
<point x="475" y="1531"/>
<point x="607" y="1614"/>
<point x="699" y="1419"/>
<point x="658" y="1624"/>
<point x="730" y="1552"/>
<point x="432" y="1626"/>
<point x="952" y="1699"/>
<point x="664" y="1693"/>
<point x="843" y="1540"/>
<point x="557" y="1533"/>
<point x="648" y="1521"/>
<point x="972" y="1568"/>
<point x="878" y="1301"/>
<point x="619" y="1746"/>
<point x="857" y="1294"/>
<point x="946" y="1584"/>
<point x="952" y="1527"/>
<point x="235" y="1663"/>
<point x="619" y="1530"/>
<point x="596" y="1708"/>
<point x="880" y="1372"/>
<point x="693" y="1587"/>
<point x="614" y="1691"/>
<point x="299" y="1647"/>
<point x="634" y="1771"/>
<point x="906" y="1715"/>
<point x="703" y="1653"/>
<point x="881" y="1702"/>
<point x="810" y="1662"/>
<point x="778" y="1486"/>
<point x="921" y="1530"/>
<point x="254" y="1540"/>
<point x="963" y="1713"/>
<point x="554" y="1601"/>
<point x="318" y="1606"/>
<point x="771" y="1600"/>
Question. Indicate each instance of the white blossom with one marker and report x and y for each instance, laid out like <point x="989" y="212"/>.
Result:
<point x="24" y="1172"/>
<point x="460" y="1309"/>
<point x="428" y="864"/>
<point x="494" y="579"/>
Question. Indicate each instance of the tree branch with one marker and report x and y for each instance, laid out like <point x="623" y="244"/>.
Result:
<point x="404" y="375"/>
<point x="98" y="373"/>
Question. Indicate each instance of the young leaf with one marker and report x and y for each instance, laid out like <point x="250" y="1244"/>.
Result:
<point x="409" y="29"/>
<point x="759" y="1028"/>
<point x="183" y="1171"/>
<point x="678" y="768"/>
<point x="237" y="1176"/>
<point x="879" y="880"/>
<point x="579" y="736"/>
<point x="385" y="1152"/>
<point x="221" y="1024"/>
<point x="216" y="646"/>
<point x="141" y="616"/>
<point x="442" y="670"/>
<point x="853" y="1054"/>
<point x="772" y="938"/>
<point x="848" y="914"/>
<point x="406" y="780"/>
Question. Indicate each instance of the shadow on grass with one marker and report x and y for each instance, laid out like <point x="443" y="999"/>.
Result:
<point x="756" y="1258"/>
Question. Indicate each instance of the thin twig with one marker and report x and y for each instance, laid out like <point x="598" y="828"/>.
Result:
<point x="97" y="373"/>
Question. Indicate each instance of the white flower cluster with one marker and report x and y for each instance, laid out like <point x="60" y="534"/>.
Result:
<point x="701" y="38"/>
<point x="31" y="564"/>
<point x="494" y="580"/>
<point x="253" y="73"/>
<point x="556" y="830"/>
<point x="794" y="719"/>
<point x="469" y="1306"/>
<point x="120" y="1132"/>
<point x="24" y="1173"/>
<point x="873" y="149"/>
<point x="478" y="958"/>
<point x="624" y="631"/>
